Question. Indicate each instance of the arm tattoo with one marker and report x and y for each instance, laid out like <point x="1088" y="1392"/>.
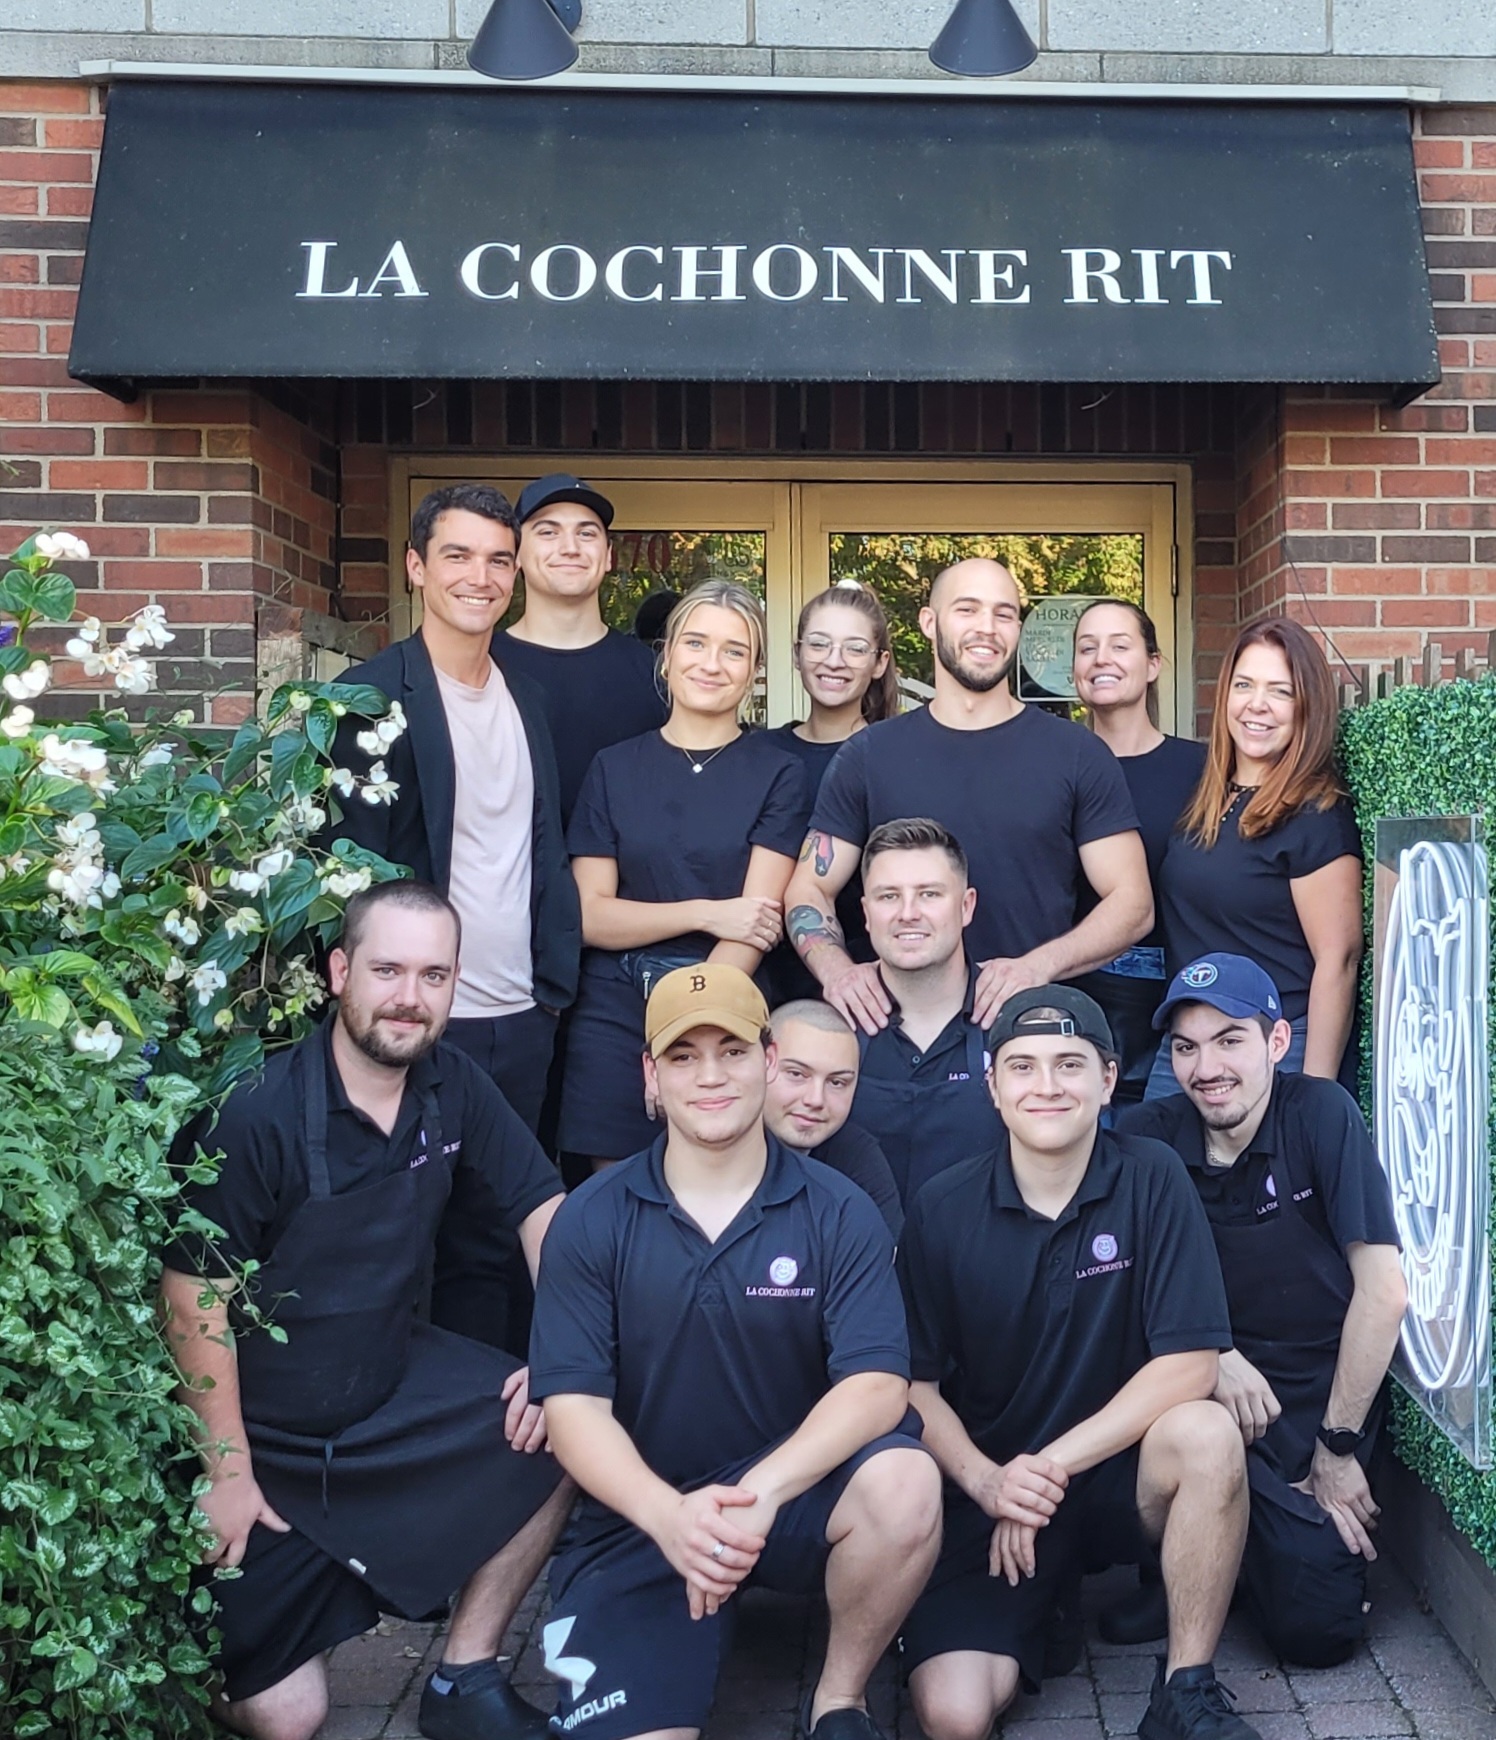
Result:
<point x="808" y="925"/>
<point x="819" y="850"/>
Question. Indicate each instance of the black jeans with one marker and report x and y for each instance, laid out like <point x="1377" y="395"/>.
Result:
<point x="481" y="1286"/>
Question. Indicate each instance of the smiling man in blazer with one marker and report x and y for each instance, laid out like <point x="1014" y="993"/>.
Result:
<point x="477" y="814"/>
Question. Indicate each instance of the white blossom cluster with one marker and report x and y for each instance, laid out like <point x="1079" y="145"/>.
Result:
<point x="133" y="674"/>
<point x="78" y="874"/>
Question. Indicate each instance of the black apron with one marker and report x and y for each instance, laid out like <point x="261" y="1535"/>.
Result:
<point x="375" y="1435"/>
<point x="923" y="1127"/>
<point x="1288" y="1289"/>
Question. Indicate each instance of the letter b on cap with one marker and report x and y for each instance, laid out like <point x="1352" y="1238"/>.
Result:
<point x="698" y="981"/>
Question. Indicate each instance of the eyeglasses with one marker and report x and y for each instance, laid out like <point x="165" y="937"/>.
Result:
<point x="821" y="646"/>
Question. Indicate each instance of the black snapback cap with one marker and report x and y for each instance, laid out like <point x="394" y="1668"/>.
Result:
<point x="561" y="486"/>
<point x="1079" y="1017"/>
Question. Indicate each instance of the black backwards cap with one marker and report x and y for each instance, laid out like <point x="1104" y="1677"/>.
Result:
<point x="1078" y="1017"/>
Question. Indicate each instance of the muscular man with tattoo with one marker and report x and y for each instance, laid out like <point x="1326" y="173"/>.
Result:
<point x="1039" y="802"/>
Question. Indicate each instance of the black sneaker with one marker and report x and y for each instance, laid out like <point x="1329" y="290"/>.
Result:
<point x="482" y="1706"/>
<point x="1141" y="1617"/>
<point x="843" y="1724"/>
<point x="1192" y="1705"/>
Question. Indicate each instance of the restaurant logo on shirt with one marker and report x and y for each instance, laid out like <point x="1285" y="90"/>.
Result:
<point x="783" y="1273"/>
<point x="1104" y="1248"/>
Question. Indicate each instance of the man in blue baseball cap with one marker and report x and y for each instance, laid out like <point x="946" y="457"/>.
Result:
<point x="1303" y="1225"/>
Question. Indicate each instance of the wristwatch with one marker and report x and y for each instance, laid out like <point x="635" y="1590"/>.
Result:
<point x="1340" y="1440"/>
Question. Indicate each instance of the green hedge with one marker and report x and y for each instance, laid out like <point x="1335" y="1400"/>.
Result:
<point x="1427" y="752"/>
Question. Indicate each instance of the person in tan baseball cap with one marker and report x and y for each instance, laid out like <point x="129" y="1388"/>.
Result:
<point x="709" y="995"/>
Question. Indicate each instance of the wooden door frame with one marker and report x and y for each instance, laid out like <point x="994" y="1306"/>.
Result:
<point x="1169" y="516"/>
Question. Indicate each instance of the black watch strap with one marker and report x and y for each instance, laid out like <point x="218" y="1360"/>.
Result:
<point x="1340" y="1440"/>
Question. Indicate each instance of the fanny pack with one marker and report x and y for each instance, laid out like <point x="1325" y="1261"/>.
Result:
<point x="646" y="967"/>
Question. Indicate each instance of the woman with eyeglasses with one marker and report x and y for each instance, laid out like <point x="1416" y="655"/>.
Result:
<point x="844" y="659"/>
<point x="682" y="843"/>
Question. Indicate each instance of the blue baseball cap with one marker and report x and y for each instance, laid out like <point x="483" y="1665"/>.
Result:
<point x="1230" y="983"/>
<point x="561" y="486"/>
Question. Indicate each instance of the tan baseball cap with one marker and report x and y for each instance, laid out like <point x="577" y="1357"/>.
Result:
<point x="710" y="995"/>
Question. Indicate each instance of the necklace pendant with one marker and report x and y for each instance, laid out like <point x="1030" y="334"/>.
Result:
<point x="695" y="767"/>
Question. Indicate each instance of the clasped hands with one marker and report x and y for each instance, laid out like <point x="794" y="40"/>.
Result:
<point x="1020" y="1496"/>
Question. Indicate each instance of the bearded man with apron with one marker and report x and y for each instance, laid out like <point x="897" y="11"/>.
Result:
<point x="359" y="1460"/>
<point x="1303" y="1225"/>
<point x="922" y="1088"/>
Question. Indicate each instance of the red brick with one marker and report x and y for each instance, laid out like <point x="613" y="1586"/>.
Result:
<point x="1483" y="153"/>
<point x="179" y="443"/>
<point x="1440" y="153"/>
<point x="20" y="201"/>
<point x="35" y="372"/>
<point x="89" y="135"/>
<point x="1374" y="450"/>
<point x="1465" y="451"/>
<point x="155" y="576"/>
<point x="1377" y="516"/>
<point x="216" y="541"/>
<point x="1374" y="582"/>
<point x="1379" y="643"/>
<point x="1336" y="417"/>
<point x="18" y="338"/>
<point x="100" y="474"/>
<point x="70" y="201"/>
<point x="20" y="269"/>
<point x="45" y="438"/>
<point x="1426" y="613"/>
<point x="232" y="709"/>
<point x="20" y="407"/>
<point x="40" y="304"/>
<point x="222" y="475"/>
<point x="59" y="338"/>
<point x="1425" y="482"/>
<point x="1330" y="483"/>
<point x="1459" y="189"/>
<point x="51" y="167"/>
<point x="1462" y="582"/>
<point x="175" y="406"/>
<point x="84" y="405"/>
<point x="25" y="97"/>
<point x="1483" y="287"/>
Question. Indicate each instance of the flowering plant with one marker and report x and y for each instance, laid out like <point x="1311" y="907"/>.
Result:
<point x="164" y="890"/>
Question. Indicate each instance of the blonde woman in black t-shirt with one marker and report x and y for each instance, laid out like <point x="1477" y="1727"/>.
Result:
<point x="1267" y="859"/>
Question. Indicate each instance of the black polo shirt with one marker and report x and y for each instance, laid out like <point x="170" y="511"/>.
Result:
<point x="1032" y="1325"/>
<point x="891" y="1055"/>
<point x="1313" y="1143"/>
<point x="856" y="1154"/>
<point x="262" y="1180"/>
<point x="712" y="1353"/>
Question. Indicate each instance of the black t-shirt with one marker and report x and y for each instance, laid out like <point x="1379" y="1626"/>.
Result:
<point x="713" y="1352"/>
<point x="1021" y="798"/>
<point x="1313" y="1144"/>
<point x="1032" y="1325"/>
<point x="1162" y="782"/>
<point x="679" y="835"/>
<point x="816" y="758"/>
<point x="594" y="696"/>
<point x="1235" y="898"/>
<point x="854" y="1152"/>
<point x="262" y="1179"/>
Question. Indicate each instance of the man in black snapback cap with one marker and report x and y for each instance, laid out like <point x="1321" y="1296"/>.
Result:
<point x="598" y="684"/>
<point x="1065" y="1317"/>
<point x="1301" y="1214"/>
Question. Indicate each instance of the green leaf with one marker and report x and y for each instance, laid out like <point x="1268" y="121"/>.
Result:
<point x="321" y="726"/>
<point x="34" y="1001"/>
<point x="201" y="816"/>
<point x="291" y="892"/>
<point x="158" y="850"/>
<point x="49" y="595"/>
<point x="361" y="698"/>
<point x="76" y="1668"/>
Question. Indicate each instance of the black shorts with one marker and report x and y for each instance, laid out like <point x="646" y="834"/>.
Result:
<point x="620" y="1636"/>
<point x="602" y="1096"/>
<point x="290" y="1602"/>
<point x="965" y="1608"/>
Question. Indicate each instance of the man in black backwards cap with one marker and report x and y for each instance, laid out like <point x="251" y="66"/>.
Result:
<point x="1066" y="1315"/>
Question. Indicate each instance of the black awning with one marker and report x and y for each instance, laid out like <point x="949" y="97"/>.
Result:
<point x="353" y="231"/>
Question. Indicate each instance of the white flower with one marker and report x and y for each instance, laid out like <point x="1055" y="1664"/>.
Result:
<point x="131" y="676"/>
<point x="80" y="831"/>
<point x="370" y="742"/>
<point x="393" y="725"/>
<point x="381" y="789"/>
<point x="301" y="702"/>
<point x="111" y="885"/>
<point x="61" y="547"/>
<point x="78" y="883"/>
<point x="182" y="928"/>
<point x="274" y="864"/>
<point x="28" y="684"/>
<point x="198" y="898"/>
<point x="223" y="1020"/>
<point x="86" y="640"/>
<point x="15" y="865"/>
<point x="245" y="922"/>
<point x="342" y="780"/>
<point x="18" y="722"/>
<point x="344" y="884"/>
<point x="83" y="763"/>
<point x="100" y="1041"/>
<point x="182" y="716"/>
<point x="149" y="629"/>
<point x="207" y="980"/>
<point x="176" y="969"/>
<point x="158" y="756"/>
<point x="301" y="816"/>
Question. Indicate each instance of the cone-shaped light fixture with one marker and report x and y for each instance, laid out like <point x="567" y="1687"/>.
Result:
<point x="983" y="39"/>
<point x="521" y="39"/>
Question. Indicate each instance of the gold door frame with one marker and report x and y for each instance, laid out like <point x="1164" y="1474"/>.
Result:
<point x="796" y="503"/>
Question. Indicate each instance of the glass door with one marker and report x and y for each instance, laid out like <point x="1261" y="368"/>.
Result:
<point x="1065" y="543"/>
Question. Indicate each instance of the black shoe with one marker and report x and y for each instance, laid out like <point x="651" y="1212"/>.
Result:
<point x="1142" y="1617"/>
<point x="837" y="1725"/>
<point x="1192" y="1705"/>
<point x="1065" y="1638"/>
<point x="483" y="1706"/>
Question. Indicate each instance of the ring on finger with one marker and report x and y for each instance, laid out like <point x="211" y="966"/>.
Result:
<point x="719" y="1549"/>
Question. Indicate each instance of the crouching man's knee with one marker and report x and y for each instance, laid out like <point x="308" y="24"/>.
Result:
<point x="959" y="1696"/>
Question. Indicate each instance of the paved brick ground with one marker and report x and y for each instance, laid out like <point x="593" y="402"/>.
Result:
<point x="1410" y="1682"/>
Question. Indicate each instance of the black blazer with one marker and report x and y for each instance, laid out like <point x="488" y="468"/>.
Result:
<point x="416" y="829"/>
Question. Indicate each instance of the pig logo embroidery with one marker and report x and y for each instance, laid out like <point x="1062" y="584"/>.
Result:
<point x="1104" y="1248"/>
<point x="783" y="1270"/>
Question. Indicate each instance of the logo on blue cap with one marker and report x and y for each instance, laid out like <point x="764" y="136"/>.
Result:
<point x="1200" y="975"/>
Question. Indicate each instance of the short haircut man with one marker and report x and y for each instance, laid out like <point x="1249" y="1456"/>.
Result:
<point x="810" y="1100"/>
<point x="922" y="1091"/>
<point x="1065" y="1314"/>
<point x="1302" y="1218"/>
<point x="477" y="813"/>
<point x="1039" y="802"/>
<point x="721" y="1361"/>
<point x="360" y="1465"/>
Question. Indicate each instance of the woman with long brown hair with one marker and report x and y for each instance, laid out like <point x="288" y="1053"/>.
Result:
<point x="682" y="842"/>
<point x="1266" y="861"/>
